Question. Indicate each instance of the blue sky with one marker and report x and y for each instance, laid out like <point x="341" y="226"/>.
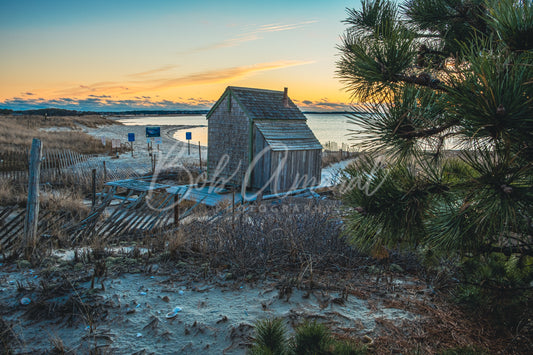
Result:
<point x="119" y="55"/>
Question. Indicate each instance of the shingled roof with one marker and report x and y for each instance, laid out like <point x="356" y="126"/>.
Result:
<point x="282" y="136"/>
<point x="260" y="104"/>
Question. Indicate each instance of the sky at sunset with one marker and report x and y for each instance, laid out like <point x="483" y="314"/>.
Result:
<point x="127" y="54"/>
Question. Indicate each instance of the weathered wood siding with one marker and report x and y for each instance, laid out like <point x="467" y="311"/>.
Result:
<point x="261" y="168"/>
<point x="228" y="135"/>
<point x="302" y="168"/>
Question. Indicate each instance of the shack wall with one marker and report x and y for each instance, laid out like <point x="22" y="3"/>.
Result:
<point x="302" y="168"/>
<point x="261" y="168"/>
<point x="228" y="135"/>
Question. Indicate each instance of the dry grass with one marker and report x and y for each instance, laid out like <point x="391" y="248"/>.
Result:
<point x="8" y="337"/>
<point x="17" y="132"/>
<point x="66" y="199"/>
<point x="37" y="121"/>
<point x="12" y="194"/>
<point x="331" y="157"/>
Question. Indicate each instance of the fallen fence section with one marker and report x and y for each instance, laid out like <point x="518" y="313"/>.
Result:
<point x="12" y="225"/>
<point x="142" y="207"/>
<point x="129" y="207"/>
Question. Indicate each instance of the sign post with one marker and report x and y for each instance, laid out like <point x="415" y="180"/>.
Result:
<point x="158" y="142"/>
<point x="152" y="133"/>
<point x="131" y="139"/>
<point x="188" y="137"/>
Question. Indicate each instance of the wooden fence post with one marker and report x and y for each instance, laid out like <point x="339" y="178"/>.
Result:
<point x="32" y="206"/>
<point x="94" y="187"/>
<point x="177" y="209"/>
<point x="233" y="209"/>
<point x="200" y="154"/>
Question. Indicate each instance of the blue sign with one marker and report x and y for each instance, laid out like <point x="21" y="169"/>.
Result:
<point x="131" y="137"/>
<point x="153" y="131"/>
<point x="188" y="135"/>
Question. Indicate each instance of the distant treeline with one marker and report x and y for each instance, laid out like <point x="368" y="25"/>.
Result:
<point x="328" y="112"/>
<point x="5" y="111"/>
<point x="48" y="112"/>
<point x="158" y="112"/>
<point x="64" y="112"/>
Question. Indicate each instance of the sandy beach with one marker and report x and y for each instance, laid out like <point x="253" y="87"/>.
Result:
<point x="170" y="153"/>
<point x="161" y="310"/>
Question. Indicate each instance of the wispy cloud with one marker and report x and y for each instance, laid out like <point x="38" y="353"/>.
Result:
<point x="232" y="42"/>
<point x="226" y="74"/>
<point x="202" y="78"/>
<point x="163" y="69"/>
<point x="323" y="105"/>
<point x="276" y="27"/>
<point x="100" y="88"/>
<point x="254" y="35"/>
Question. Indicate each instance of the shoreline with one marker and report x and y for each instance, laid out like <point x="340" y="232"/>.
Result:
<point x="170" y="153"/>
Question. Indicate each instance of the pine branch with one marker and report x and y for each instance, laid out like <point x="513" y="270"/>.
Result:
<point x="429" y="131"/>
<point x="508" y="250"/>
<point x="422" y="79"/>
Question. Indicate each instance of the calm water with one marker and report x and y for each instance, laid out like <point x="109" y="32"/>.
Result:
<point x="326" y="127"/>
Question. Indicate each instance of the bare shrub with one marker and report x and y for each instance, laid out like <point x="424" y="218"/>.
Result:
<point x="295" y="234"/>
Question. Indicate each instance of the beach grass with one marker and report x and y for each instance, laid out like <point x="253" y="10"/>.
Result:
<point x="55" y="132"/>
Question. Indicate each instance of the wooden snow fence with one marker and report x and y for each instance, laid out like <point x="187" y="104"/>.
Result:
<point x="57" y="167"/>
<point x="130" y="207"/>
<point x="65" y="166"/>
<point x="127" y="207"/>
<point x="12" y="226"/>
<point x="14" y="165"/>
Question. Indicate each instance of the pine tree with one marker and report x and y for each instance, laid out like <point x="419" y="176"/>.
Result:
<point x="452" y="87"/>
<point x="449" y="142"/>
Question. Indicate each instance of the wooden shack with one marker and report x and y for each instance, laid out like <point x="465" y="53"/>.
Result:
<point x="262" y="132"/>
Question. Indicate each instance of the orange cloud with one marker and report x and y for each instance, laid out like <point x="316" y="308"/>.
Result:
<point x="227" y="74"/>
<point x="154" y="71"/>
<point x="203" y="78"/>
